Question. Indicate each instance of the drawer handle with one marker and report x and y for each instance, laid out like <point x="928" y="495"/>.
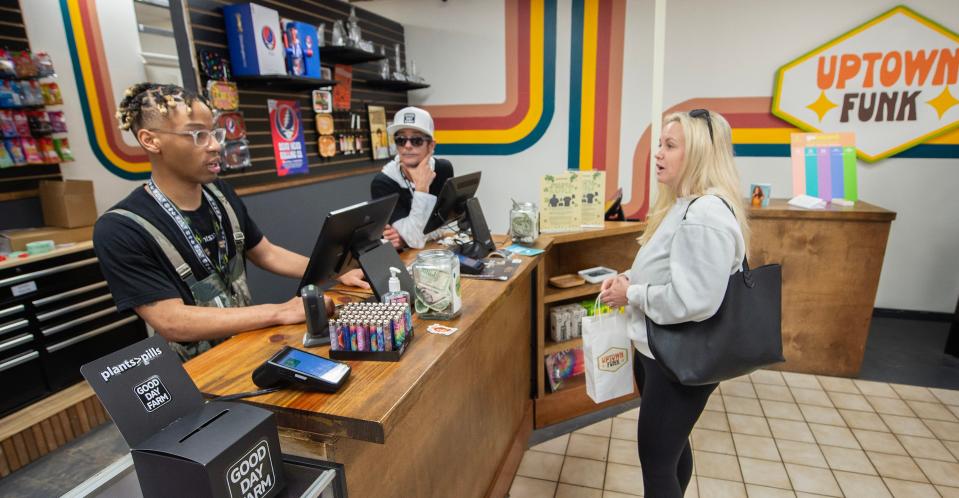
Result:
<point x="11" y="311"/>
<point x="16" y="341"/>
<point x="47" y="271"/>
<point x="10" y="327"/>
<point x="73" y="307"/>
<point x="19" y="360"/>
<point x="63" y="295"/>
<point x="77" y="321"/>
<point x="90" y="335"/>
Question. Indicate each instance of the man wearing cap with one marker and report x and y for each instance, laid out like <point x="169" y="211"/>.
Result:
<point x="414" y="174"/>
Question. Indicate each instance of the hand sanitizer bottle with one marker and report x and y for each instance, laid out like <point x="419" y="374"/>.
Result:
<point x="396" y="294"/>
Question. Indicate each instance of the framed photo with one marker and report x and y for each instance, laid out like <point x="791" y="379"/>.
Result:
<point x="322" y="101"/>
<point x="379" y="139"/>
<point x="759" y="194"/>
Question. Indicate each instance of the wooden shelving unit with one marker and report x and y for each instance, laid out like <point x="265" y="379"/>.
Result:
<point x="613" y="246"/>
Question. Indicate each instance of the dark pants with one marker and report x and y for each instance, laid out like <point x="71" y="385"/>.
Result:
<point x="668" y="411"/>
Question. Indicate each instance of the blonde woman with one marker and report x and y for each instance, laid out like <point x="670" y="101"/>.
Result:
<point x="696" y="237"/>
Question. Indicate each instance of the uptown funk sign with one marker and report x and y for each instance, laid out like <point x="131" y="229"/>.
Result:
<point x="892" y="81"/>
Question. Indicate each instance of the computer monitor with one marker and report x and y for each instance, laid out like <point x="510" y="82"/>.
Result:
<point x="451" y="203"/>
<point x="353" y="232"/>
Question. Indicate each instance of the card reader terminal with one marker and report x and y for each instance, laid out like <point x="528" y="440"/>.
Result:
<point x="302" y="370"/>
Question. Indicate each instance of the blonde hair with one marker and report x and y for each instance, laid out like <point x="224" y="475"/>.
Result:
<point x="708" y="167"/>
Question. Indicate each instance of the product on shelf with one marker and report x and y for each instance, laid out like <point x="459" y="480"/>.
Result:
<point x="24" y="64"/>
<point x="236" y="155"/>
<point x="8" y="127"/>
<point x="57" y="121"/>
<point x="566" y="322"/>
<point x="233" y="123"/>
<point x="9" y="96"/>
<point x="7" y="68"/>
<point x="21" y="123"/>
<point x="5" y="160"/>
<point x="564" y="365"/>
<point x="15" y="149"/>
<point x="223" y="95"/>
<point x="39" y="123"/>
<point x="62" y="146"/>
<point x="48" y="154"/>
<point x="44" y="65"/>
<point x="30" y="150"/>
<point x="51" y="94"/>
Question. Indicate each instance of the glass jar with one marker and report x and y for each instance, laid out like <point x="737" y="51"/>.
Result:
<point x="436" y="273"/>
<point x="524" y="222"/>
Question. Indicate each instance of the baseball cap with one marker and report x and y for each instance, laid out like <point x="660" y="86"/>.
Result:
<point x="412" y="118"/>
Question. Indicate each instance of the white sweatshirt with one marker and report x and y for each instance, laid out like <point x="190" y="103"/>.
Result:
<point x="411" y="227"/>
<point x="681" y="273"/>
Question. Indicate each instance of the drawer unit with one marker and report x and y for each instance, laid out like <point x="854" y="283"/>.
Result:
<point x="55" y="315"/>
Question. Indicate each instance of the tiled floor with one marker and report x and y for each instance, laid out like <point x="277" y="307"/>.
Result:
<point x="774" y="434"/>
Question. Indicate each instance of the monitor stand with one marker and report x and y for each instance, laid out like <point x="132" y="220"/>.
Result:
<point x="376" y="262"/>
<point x="482" y="243"/>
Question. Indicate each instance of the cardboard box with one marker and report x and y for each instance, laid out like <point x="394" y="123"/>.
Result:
<point x="180" y="445"/>
<point x="255" y="40"/>
<point x="303" y="46"/>
<point x="17" y="239"/>
<point x="68" y="203"/>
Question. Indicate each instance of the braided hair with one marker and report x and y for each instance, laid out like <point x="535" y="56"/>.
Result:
<point x="145" y="101"/>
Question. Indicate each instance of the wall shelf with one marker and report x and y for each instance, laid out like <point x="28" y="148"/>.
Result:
<point x="553" y="294"/>
<point x="396" y="85"/>
<point x="347" y="55"/>
<point x="285" y="81"/>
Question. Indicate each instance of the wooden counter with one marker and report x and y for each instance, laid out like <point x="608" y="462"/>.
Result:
<point x="831" y="262"/>
<point x="446" y="420"/>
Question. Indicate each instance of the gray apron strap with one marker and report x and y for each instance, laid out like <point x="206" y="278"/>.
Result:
<point x="181" y="267"/>
<point x="238" y="237"/>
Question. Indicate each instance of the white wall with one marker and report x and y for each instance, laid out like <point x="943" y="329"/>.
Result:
<point x="713" y="49"/>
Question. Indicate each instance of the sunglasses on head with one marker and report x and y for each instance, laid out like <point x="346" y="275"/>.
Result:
<point x="703" y="113"/>
<point x="415" y="141"/>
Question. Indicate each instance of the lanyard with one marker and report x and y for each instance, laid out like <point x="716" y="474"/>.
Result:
<point x="192" y="238"/>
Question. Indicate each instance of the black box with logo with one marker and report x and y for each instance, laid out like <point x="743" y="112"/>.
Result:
<point x="181" y="445"/>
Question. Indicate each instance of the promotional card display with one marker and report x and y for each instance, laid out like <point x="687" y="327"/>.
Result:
<point x="254" y="36"/>
<point x="824" y="165"/>
<point x="289" y="148"/>
<point x="379" y="139"/>
<point x="215" y="449"/>
<point x="592" y="196"/>
<point x="559" y="198"/>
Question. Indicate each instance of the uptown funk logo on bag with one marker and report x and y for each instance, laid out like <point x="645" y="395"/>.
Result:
<point x="612" y="360"/>
<point x="252" y="476"/>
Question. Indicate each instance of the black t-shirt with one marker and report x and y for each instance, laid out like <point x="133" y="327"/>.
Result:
<point x="383" y="186"/>
<point x="135" y="267"/>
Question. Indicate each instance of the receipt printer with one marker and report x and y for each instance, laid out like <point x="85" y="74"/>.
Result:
<point x="182" y="446"/>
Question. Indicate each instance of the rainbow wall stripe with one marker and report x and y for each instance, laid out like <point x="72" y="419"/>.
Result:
<point x="521" y="120"/>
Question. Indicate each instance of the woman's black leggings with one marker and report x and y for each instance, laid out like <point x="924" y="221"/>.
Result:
<point x="668" y="411"/>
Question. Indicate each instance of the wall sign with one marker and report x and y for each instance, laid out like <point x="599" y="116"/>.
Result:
<point x="892" y="81"/>
<point x="288" y="144"/>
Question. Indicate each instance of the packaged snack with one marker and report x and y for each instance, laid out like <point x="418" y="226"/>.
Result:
<point x="15" y="149"/>
<point x="57" y="121"/>
<point x="39" y="123"/>
<point x="51" y="94"/>
<point x="8" y="128"/>
<point x="5" y="160"/>
<point x="47" y="153"/>
<point x="9" y="94"/>
<point x="7" y="68"/>
<point x="62" y="146"/>
<point x="44" y="65"/>
<point x="30" y="150"/>
<point x="21" y="123"/>
<point x="24" y="64"/>
<point x="36" y="92"/>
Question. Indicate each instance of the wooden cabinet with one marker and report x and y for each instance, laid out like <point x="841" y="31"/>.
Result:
<point x="613" y="246"/>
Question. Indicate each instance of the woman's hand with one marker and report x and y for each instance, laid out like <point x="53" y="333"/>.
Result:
<point x="614" y="292"/>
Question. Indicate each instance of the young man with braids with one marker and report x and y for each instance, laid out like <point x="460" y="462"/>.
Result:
<point x="174" y="249"/>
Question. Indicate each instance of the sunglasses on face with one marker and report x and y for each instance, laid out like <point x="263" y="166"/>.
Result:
<point x="703" y="113"/>
<point x="415" y="141"/>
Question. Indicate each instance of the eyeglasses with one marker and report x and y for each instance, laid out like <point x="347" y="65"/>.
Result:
<point x="415" y="141"/>
<point x="201" y="138"/>
<point x="703" y="113"/>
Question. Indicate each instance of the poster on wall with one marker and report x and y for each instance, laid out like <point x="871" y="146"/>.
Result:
<point x="592" y="196"/>
<point x="289" y="148"/>
<point x="887" y="80"/>
<point x="824" y="165"/>
<point x="559" y="198"/>
<point x="379" y="139"/>
<point x="343" y="91"/>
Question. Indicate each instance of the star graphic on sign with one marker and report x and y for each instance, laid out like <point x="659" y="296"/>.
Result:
<point x="821" y="106"/>
<point x="943" y="102"/>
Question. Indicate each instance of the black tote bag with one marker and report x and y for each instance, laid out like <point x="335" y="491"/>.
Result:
<point x="745" y="334"/>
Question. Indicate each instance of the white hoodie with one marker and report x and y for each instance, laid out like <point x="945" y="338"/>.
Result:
<point x="411" y="227"/>
<point x="681" y="274"/>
